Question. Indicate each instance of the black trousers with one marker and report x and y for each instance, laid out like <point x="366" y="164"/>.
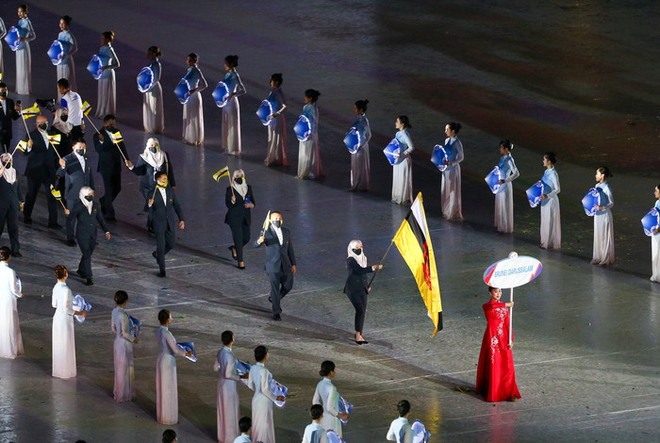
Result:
<point x="359" y="302"/>
<point x="9" y="215"/>
<point x="280" y="285"/>
<point x="34" y="183"/>
<point x="87" y="245"/>
<point x="164" y="243"/>
<point x="112" y="187"/>
<point x="240" y="233"/>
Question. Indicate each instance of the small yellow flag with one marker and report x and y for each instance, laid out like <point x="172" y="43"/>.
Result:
<point x="117" y="137"/>
<point x="54" y="139"/>
<point x="86" y="108"/>
<point x="224" y="172"/>
<point x="22" y="146"/>
<point x="30" y="112"/>
<point x="55" y="193"/>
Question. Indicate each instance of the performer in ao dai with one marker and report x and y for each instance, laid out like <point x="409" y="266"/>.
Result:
<point x="402" y="169"/>
<point x="450" y="191"/>
<point x="23" y="56"/>
<point x="327" y="396"/>
<point x="67" y="68"/>
<point x="315" y="432"/>
<point x="3" y="32"/>
<point x="122" y="349"/>
<point x="550" y="215"/>
<point x="603" y="221"/>
<point x="64" y="339"/>
<point x="400" y="430"/>
<point x="227" y="394"/>
<point x="193" y="112"/>
<point x="504" y="197"/>
<point x="496" y="374"/>
<point x="309" y="151"/>
<point x="360" y="165"/>
<point x="107" y="88"/>
<point x="655" y="241"/>
<point x="11" y="340"/>
<point x="153" y="118"/>
<point x="276" y="154"/>
<point x="231" y="113"/>
<point x="167" y="397"/>
<point x="263" y="427"/>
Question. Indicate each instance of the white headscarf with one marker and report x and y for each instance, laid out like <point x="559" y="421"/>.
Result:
<point x="155" y="159"/>
<point x="242" y="188"/>
<point x="85" y="191"/>
<point x="9" y="172"/>
<point x="360" y="259"/>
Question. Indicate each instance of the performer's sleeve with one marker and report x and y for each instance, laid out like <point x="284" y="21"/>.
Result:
<point x="265" y="384"/>
<point x="514" y="173"/>
<point x="391" y="436"/>
<point x="125" y="330"/>
<point x="115" y="64"/>
<point x="74" y="45"/>
<point x="230" y="369"/>
<point x="459" y="152"/>
<point x="31" y="35"/>
<point x="171" y="342"/>
<point x="240" y="88"/>
<point x="15" y="286"/>
<point x="555" y="185"/>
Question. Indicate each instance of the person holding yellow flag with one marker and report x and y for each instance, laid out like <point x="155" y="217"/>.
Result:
<point x="239" y="200"/>
<point x="111" y="154"/>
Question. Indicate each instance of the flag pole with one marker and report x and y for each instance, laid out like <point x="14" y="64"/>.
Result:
<point x="27" y="131"/>
<point x="381" y="262"/>
<point x="511" y="320"/>
<point x="265" y="225"/>
<point x="233" y="194"/>
<point x="113" y="142"/>
<point x="54" y="149"/>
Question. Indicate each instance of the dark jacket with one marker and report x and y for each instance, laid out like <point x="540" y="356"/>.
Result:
<point x="75" y="177"/>
<point x="163" y="215"/>
<point x="279" y="258"/>
<point x="6" y="118"/>
<point x="148" y="174"/>
<point x="41" y="159"/>
<point x="237" y="213"/>
<point x="110" y="160"/>
<point x="357" y="281"/>
<point x="86" y="222"/>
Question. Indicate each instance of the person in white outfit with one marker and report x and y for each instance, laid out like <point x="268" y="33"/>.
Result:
<point x="153" y="118"/>
<point x="603" y="253"/>
<point x="11" y="341"/>
<point x="227" y="394"/>
<point x="67" y="68"/>
<point x="122" y="350"/>
<point x="400" y="430"/>
<point x="504" y="197"/>
<point x="655" y="241"/>
<point x="402" y="189"/>
<point x="327" y="396"/>
<point x="263" y="427"/>
<point x="450" y="190"/>
<point x="231" y="112"/>
<point x="314" y="432"/>
<point x="550" y="215"/>
<point x="23" y="55"/>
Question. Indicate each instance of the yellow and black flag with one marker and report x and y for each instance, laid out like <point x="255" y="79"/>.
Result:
<point x="221" y="173"/>
<point x="414" y="243"/>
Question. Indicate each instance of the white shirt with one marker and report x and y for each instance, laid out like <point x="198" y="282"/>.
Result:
<point x="400" y="431"/>
<point x="320" y="437"/>
<point x="163" y="194"/>
<point x="278" y="232"/>
<point x="3" y="102"/>
<point x="74" y="106"/>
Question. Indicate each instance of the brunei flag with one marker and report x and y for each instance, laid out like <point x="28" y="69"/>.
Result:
<point x="55" y="139"/>
<point x="223" y="172"/>
<point x="55" y="193"/>
<point x="414" y="243"/>
<point x="30" y="112"/>
<point x="116" y="137"/>
<point x="22" y="146"/>
<point x="86" y="108"/>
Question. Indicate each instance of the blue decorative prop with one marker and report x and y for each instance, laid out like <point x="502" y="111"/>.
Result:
<point x="263" y="111"/>
<point x="493" y="178"/>
<point x="392" y="152"/>
<point x="278" y="390"/>
<point x="13" y="38"/>
<point x="134" y="326"/>
<point x="303" y="128"/>
<point x="591" y="200"/>
<point x="182" y="91"/>
<point x="80" y="304"/>
<point x="189" y="346"/>
<point x="146" y="79"/>
<point x="345" y="408"/>
<point x="57" y="51"/>
<point x="420" y="434"/>
<point x="353" y="140"/>
<point x="651" y="221"/>
<point x="439" y="157"/>
<point x="333" y="437"/>
<point x="535" y="192"/>
<point x="94" y="67"/>
<point x="221" y="95"/>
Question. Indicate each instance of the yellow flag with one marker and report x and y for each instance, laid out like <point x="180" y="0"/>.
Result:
<point x="30" y="112"/>
<point x="86" y="108"/>
<point x="266" y="223"/>
<point x="22" y="146"/>
<point x="413" y="241"/>
<point x="55" y="193"/>
<point x="117" y="137"/>
<point x="54" y="139"/>
<point x="223" y="172"/>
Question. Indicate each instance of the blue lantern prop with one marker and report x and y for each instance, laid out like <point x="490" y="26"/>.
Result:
<point x="94" y="67"/>
<point x="182" y="91"/>
<point x="392" y="152"/>
<point x="439" y="157"/>
<point x="420" y="434"/>
<point x="591" y="200"/>
<point x="57" y="51"/>
<point x="353" y="140"/>
<point x="263" y="111"/>
<point x="651" y="221"/>
<point x="145" y="79"/>
<point x="13" y="38"/>
<point x="303" y="128"/>
<point x="333" y="437"/>
<point x="221" y="95"/>
<point x="535" y="192"/>
<point x="493" y="179"/>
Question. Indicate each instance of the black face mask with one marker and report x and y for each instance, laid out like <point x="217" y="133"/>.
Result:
<point x="80" y="151"/>
<point x="239" y="180"/>
<point x="89" y="198"/>
<point x="3" y="94"/>
<point x="153" y="149"/>
<point x="357" y="251"/>
<point x="43" y="126"/>
<point x="277" y="223"/>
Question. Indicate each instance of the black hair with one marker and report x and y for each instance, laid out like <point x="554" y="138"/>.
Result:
<point x="109" y="35"/>
<point x="605" y="171"/>
<point x="169" y="435"/>
<point x="3" y="85"/>
<point x="361" y="105"/>
<point x="60" y="271"/>
<point x="227" y="337"/>
<point x="155" y="50"/>
<point x="405" y="121"/>
<point x="455" y="126"/>
<point x="244" y="424"/>
<point x="506" y="144"/>
<point x="277" y="78"/>
<point x="403" y="407"/>
<point x="160" y="174"/>
<point x="23" y="6"/>
<point x="63" y="82"/>
<point x="326" y="368"/>
<point x="313" y="94"/>
<point x="120" y="297"/>
<point x="552" y="158"/>
<point x="260" y="353"/>
<point x="109" y="117"/>
<point x="163" y="316"/>
<point x="193" y="56"/>
<point x="66" y="19"/>
<point x="316" y="411"/>
<point x="5" y="253"/>
<point x="231" y="61"/>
